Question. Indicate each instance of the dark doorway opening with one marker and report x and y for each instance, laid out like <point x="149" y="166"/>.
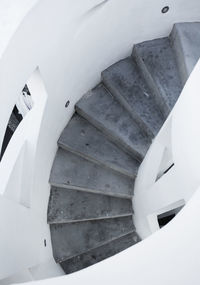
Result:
<point x="23" y="105"/>
<point x="165" y="218"/>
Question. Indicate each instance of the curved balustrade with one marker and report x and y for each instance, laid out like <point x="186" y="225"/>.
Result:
<point x="185" y="132"/>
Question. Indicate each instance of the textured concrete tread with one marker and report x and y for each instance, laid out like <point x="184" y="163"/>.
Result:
<point x="103" y="111"/>
<point x="73" y="239"/>
<point x="69" y="205"/>
<point x="159" y="60"/>
<point x="74" y="172"/>
<point x="80" y="137"/>
<point x="100" y="253"/>
<point x="126" y="83"/>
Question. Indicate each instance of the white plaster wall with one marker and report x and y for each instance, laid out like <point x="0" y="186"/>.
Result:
<point x="71" y="43"/>
<point x="11" y="15"/>
<point x="186" y="140"/>
<point x="170" y="256"/>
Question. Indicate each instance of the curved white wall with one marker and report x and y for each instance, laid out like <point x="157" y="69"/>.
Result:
<point x="170" y="256"/>
<point x="71" y="42"/>
<point x="186" y="140"/>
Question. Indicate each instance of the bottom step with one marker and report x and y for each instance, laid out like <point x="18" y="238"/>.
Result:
<point x="100" y="253"/>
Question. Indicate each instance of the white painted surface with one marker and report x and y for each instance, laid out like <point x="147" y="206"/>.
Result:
<point x="169" y="256"/>
<point x="71" y="42"/>
<point x="11" y="15"/>
<point x="15" y="219"/>
<point x="151" y="194"/>
<point x="187" y="153"/>
<point x="20" y="277"/>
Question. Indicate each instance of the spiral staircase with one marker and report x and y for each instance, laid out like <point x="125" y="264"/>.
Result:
<point x="90" y="210"/>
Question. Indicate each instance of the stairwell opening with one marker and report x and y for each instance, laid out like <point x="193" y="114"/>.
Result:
<point x="23" y="105"/>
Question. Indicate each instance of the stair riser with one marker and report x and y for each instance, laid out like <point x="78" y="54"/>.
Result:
<point x="88" y="220"/>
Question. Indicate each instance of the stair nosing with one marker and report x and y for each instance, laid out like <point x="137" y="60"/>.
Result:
<point x="78" y="188"/>
<point x="118" y="170"/>
<point x="111" y="240"/>
<point x="92" y="219"/>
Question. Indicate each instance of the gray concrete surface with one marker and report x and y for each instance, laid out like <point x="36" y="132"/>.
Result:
<point x="72" y="171"/>
<point x="104" y="112"/>
<point x="185" y="39"/>
<point x="69" y="205"/>
<point x="82" y="138"/>
<point x="100" y="253"/>
<point x="92" y="178"/>
<point x="160" y="70"/>
<point x="127" y="85"/>
<point x="73" y="239"/>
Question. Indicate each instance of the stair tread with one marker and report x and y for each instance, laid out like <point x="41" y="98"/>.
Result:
<point x="125" y="82"/>
<point x="70" y="170"/>
<point x="70" y="240"/>
<point x="104" y="112"/>
<point x="186" y="41"/>
<point x="100" y="253"/>
<point x="82" y="138"/>
<point x="69" y="205"/>
<point x="159" y="60"/>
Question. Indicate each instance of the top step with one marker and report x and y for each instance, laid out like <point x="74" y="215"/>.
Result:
<point x="158" y="64"/>
<point x="185" y="39"/>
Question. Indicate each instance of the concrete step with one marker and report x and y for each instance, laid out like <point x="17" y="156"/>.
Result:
<point x="73" y="239"/>
<point x="81" y="138"/>
<point x="74" y="172"/>
<point x="100" y="253"/>
<point x="105" y="113"/>
<point x="185" y="39"/>
<point x="69" y="205"/>
<point x="158" y="65"/>
<point x="128" y="86"/>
